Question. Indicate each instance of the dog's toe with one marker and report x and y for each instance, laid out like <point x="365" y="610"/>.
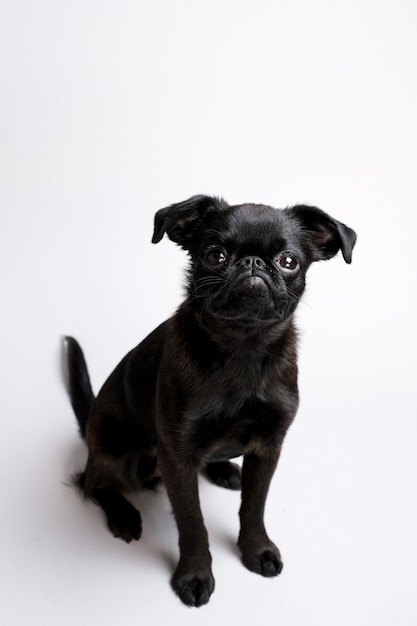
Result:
<point x="270" y="564"/>
<point x="127" y="525"/>
<point x="224" y="474"/>
<point x="123" y="520"/>
<point x="193" y="589"/>
<point x="266" y="562"/>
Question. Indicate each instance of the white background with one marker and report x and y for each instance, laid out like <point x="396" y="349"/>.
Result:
<point x="112" y="110"/>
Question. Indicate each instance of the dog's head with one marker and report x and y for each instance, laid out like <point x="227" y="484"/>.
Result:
<point x="249" y="261"/>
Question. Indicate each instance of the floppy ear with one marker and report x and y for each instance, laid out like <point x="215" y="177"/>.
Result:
<point x="327" y="235"/>
<point x="180" y="221"/>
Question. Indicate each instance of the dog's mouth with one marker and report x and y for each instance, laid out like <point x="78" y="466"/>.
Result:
<point x="252" y="301"/>
<point x="254" y="286"/>
<point x="254" y="282"/>
<point x="246" y="320"/>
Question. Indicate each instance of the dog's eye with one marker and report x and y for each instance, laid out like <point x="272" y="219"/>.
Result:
<point x="288" y="262"/>
<point x="215" y="257"/>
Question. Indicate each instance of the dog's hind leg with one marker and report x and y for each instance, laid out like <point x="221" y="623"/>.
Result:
<point x="123" y="520"/>
<point x="224" y="474"/>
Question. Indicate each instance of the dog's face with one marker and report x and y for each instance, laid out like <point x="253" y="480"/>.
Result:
<point x="249" y="261"/>
<point x="248" y="266"/>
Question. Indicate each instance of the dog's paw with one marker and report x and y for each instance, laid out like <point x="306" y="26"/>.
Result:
<point x="224" y="474"/>
<point x="266" y="562"/>
<point x="126" y="524"/>
<point x="193" y="588"/>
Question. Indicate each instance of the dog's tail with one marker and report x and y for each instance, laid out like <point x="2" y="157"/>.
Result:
<point x="79" y="386"/>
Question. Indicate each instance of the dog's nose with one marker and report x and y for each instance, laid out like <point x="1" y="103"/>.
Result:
<point x="253" y="262"/>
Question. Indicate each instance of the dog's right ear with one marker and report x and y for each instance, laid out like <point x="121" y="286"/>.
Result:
<point x="181" y="221"/>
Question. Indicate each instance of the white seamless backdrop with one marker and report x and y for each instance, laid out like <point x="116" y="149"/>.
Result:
<point x="108" y="112"/>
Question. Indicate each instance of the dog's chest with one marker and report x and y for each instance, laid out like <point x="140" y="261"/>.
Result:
<point x="240" y="400"/>
<point x="238" y="421"/>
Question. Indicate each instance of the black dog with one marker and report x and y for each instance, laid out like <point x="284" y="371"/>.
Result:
<point x="216" y="381"/>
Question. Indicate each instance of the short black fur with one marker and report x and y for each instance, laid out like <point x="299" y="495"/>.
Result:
<point x="217" y="380"/>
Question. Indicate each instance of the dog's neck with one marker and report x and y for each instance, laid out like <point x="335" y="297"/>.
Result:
<point x="233" y="337"/>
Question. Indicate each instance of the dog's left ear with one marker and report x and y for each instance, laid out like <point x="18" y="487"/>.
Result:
<point x="327" y="235"/>
<point x="181" y="221"/>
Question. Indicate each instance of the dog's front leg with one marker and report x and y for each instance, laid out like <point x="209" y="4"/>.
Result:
<point x="259" y="554"/>
<point x="193" y="580"/>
